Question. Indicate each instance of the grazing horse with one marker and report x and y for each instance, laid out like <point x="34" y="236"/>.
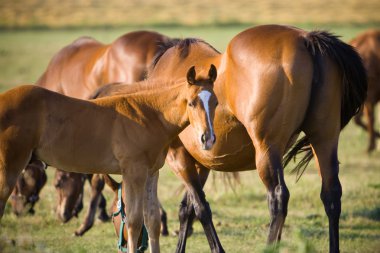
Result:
<point x="368" y="46"/>
<point x="78" y="70"/>
<point x="28" y="186"/>
<point x="273" y="82"/>
<point x="126" y="135"/>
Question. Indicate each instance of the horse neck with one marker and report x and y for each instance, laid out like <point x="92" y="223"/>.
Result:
<point x="163" y="103"/>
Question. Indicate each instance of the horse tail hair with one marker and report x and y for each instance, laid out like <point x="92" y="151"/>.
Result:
<point x="324" y="44"/>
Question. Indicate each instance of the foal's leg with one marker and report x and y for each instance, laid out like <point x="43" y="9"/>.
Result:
<point x="11" y="166"/>
<point x="152" y="213"/>
<point x="97" y="186"/>
<point x="134" y="181"/>
<point x="183" y="166"/>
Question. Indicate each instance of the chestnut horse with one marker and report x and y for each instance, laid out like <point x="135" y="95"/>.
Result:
<point x="133" y="142"/>
<point x="368" y="46"/>
<point x="273" y="83"/>
<point x="78" y="70"/>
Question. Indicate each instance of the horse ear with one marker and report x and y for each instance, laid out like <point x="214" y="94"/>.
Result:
<point x="191" y="75"/>
<point x="111" y="182"/>
<point x="212" y="73"/>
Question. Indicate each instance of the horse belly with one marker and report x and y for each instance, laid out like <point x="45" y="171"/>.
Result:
<point x="232" y="151"/>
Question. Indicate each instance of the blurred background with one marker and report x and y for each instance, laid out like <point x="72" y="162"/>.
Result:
<point x="32" y="31"/>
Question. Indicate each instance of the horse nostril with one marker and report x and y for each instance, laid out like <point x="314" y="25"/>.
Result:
<point x="214" y="139"/>
<point x="203" y="138"/>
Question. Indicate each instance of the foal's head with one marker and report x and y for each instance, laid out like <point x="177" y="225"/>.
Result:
<point x="69" y="186"/>
<point x="201" y="105"/>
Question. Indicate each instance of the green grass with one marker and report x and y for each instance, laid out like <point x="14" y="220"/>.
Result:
<point x="241" y="216"/>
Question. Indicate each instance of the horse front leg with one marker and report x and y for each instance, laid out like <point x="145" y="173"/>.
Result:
<point x="97" y="186"/>
<point x="183" y="165"/>
<point x="134" y="181"/>
<point x="152" y="213"/>
<point x="164" y="221"/>
<point x="11" y="166"/>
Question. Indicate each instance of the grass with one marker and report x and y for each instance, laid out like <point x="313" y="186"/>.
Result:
<point x="70" y="13"/>
<point x="241" y="216"/>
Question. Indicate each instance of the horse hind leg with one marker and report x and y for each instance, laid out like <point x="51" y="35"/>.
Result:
<point x="331" y="191"/>
<point x="270" y="170"/>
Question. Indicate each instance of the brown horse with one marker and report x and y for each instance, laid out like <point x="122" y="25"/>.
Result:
<point x="133" y="142"/>
<point x="26" y="193"/>
<point x="274" y="82"/>
<point x="368" y="46"/>
<point x="77" y="70"/>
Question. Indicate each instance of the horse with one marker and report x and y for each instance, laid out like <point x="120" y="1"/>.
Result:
<point x="368" y="46"/>
<point x="133" y="142"/>
<point x="77" y="70"/>
<point x="274" y="82"/>
<point x="69" y="186"/>
<point x="26" y="192"/>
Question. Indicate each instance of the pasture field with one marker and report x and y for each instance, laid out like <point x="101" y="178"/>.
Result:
<point x="240" y="215"/>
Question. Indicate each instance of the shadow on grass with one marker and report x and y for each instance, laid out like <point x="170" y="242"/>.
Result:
<point x="372" y="214"/>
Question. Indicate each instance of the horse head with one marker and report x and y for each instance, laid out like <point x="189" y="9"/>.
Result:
<point x="201" y="105"/>
<point x="69" y="187"/>
<point x="28" y="186"/>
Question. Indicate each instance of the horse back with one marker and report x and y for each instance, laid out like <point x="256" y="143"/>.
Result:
<point x="130" y="56"/>
<point x="78" y="63"/>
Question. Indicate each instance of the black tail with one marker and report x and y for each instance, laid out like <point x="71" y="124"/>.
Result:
<point x="321" y="44"/>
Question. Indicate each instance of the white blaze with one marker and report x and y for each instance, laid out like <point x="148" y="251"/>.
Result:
<point x="205" y="95"/>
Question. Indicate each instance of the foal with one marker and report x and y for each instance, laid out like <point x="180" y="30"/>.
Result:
<point x="126" y="135"/>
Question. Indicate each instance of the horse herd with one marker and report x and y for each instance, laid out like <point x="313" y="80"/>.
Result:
<point x="127" y="107"/>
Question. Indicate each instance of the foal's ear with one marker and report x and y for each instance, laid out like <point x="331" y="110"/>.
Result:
<point x="212" y="73"/>
<point x="191" y="75"/>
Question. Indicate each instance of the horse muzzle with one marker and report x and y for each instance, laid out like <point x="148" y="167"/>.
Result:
<point x="207" y="141"/>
